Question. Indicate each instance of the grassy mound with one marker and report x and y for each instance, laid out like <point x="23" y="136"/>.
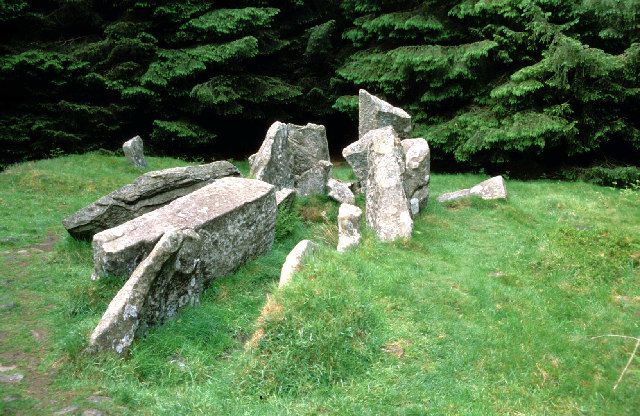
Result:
<point x="489" y="309"/>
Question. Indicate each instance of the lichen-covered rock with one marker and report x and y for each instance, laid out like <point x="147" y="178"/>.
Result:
<point x="147" y="193"/>
<point x="165" y="281"/>
<point x="293" y="156"/>
<point x="349" y="220"/>
<point x="285" y="198"/>
<point x="274" y="161"/>
<point x="134" y="151"/>
<point x="340" y="191"/>
<point x="493" y="188"/>
<point x="374" y="113"/>
<point x="387" y="205"/>
<point x="295" y="260"/>
<point x="235" y="217"/>
<point x="417" y="172"/>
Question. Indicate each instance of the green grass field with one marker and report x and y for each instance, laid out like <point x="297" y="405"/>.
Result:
<point x="490" y="308"/>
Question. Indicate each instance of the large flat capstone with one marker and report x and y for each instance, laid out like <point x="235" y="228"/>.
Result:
<point x="147" y="193"/>
<point x="235" y="218"/>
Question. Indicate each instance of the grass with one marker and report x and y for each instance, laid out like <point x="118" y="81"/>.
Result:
<point x="489" y="309"/>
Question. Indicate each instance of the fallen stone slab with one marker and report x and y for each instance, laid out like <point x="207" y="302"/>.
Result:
<point x="134" y="151"/>
<point x="387" y="206"/>
<point x="147" y="193"/>
<point x="417" y="172"/>
<point x="234" y="216"/>
<point x="339" y="191"/>
<point x="165" y="281"/>
<point x="374" y="113"/>
<point x="493" y="188"/>
<point x="285" y="198"/>
<point x="349" y="220"/>
<point x="11" y="378"/>
<point x="295" y="260"/>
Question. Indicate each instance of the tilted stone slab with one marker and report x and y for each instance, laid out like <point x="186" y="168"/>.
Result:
<point x="168" y="279"/>
<point x="274" y="161"/>
<point x="147" y="193"/>
<point x="134" y="151"/>
<point x="493" y="188"/>
<point x="374" y="113"/>
<point x="235" y="217"/>
<point x="387" y="207"/>
<point x="417" y="172"/>
<point x="295" y="260"/>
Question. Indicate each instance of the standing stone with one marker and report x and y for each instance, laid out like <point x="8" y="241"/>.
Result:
<point x="235" y="217"/>
<point x="134" y="151"/>
<point x="374" y="113"/>
<point x="493" y="188"/>
<point x="417" y="172"/>
<point x="168" y="279"/>
<point x="386" y="202"/>
<point x="293" y="156"/>
<point x="340" y="191"/>
<point x="147" y="193"/>
<point x="295" y="260"/>
<point x="274" y="161"/>
<point x="349" y="220"/>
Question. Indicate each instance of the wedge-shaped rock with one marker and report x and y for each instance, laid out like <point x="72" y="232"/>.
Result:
<point x="168" y="279"/>
<point x="386" y="202"/>
<point x="293" y="156"/>
<point x="149" y="192"/>
<point x="134" y="151"/>
<point x="340" y="191"/>
<point x="295" y="260"/>
<point x="349" y="220"/>
<point x="493" y="188"/>
<point x="374" y="113"/>
<point x="417" y="172"/>
<point x="285" y="198"/>
<point x="235" y="217"/>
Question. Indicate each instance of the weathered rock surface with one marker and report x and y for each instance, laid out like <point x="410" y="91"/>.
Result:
<point x="340" y="191"/>
<point x="386" y="202"/>
<point x="134" y="151"/>
<point x="235" y="217"/>
<point x="149" y="192"/>
<point x="356" y="156"/>
<point x="349" y="221"/>
<point x="168" y="279"/>
<point x="295" y="260"/>
<point x="374" y="113"/>
<point x="493" y="188"/>
<point x="293" y="156"/>
<point x="417" y="172"/>
<point x="285" y="198"/>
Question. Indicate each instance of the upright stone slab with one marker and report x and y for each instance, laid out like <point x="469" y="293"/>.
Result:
<point x="168" y="279"/>
<point x="374" y="113"/>
<point x="314" y="181"/>
<point x="147" y="193"/>
<point x="386" y="202"/>
<point x="134" y="151"/>
<point x="349" y="220"/>
<point x="417" y="172"/>
<point x="274" y="161"/>
<point x="309" y="145"/>
<point x="235" y="217"/>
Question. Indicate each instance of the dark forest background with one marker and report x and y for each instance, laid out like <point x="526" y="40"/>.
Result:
<point x="511" y="85"/>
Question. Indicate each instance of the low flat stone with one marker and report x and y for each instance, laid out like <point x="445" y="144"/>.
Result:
<point x="66" y="410"/>
<point x="11" y="378"/>
<point x="98" y="399"/>
<point x="93" y="412"/>
<point x="134" y="151"/>
<point x="234" y="216"/>
<point x="493" y="188"/>
<point x="374" y="113"/>
<point x="387" y="206"/>
<point x="147" y="193"/>
<point x="169" y="278"/>
<point x="295" y="260"/>
<point x="349" y="221"/>
<point x="340" y="192"/>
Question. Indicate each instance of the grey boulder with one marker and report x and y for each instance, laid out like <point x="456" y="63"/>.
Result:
<point x="349" y="220"/>
<point x="340" y="192"/>
<point x="147" y="193"/>
<point x="387" y="206"/>
<point x="493" y="188"/>
<point x="417" y="172"/>
<point x="134" y="151"/>
<point x="235" y="217"/>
